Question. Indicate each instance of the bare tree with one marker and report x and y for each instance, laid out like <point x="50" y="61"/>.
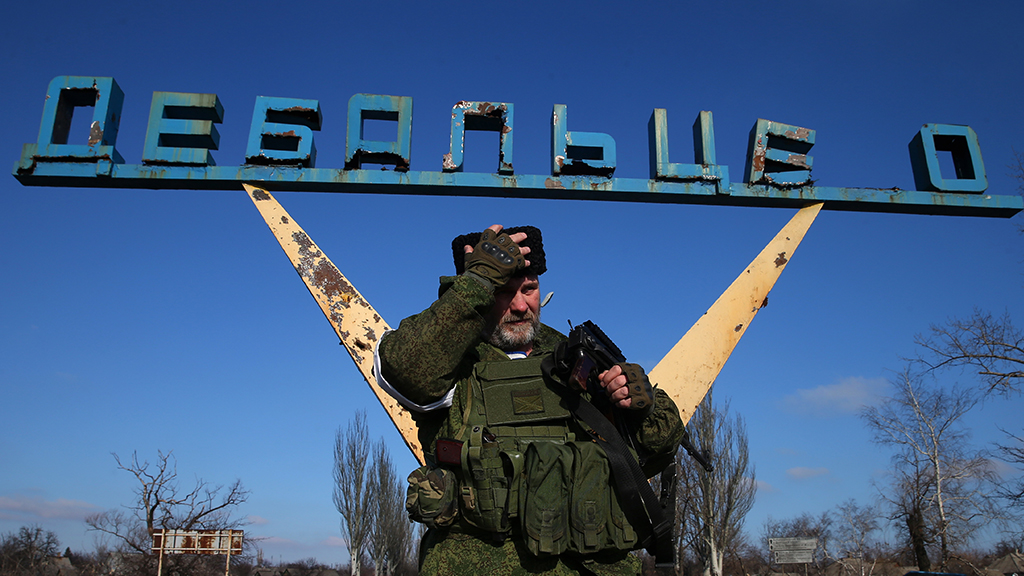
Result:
<point x="160" y="502"/>
<point x="713" y="505"/>
<point x="941" y="487"/>
<point x="854" y="524"/>
<point x="991" y="346"/>
<point x="26" y="552"/>
<point x="909" y="497"/>
<point x="307" y="565"/>
<point x="392" y="533"/>
<point x="1013" y="453"/>
<point x="353" y="486"/>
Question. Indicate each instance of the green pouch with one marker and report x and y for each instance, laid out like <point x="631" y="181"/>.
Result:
<point x="485" y="488"/>
<point x="597" y="521"/>
<point x="544" y="501"/>
<point x="430" y="498"/>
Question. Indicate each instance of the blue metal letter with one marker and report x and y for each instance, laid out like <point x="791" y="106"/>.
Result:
<point x="704" y="167"/>
<point x="962" y="143"/>
<point x="64" y="94"/>
<point x="281" y="132"/>
<point x="181" y="129"/>
<point x="491" y="116"/>
<point x="378" y="107"/>
<point x="777" y="154"/>
<point x="579" y="153"/>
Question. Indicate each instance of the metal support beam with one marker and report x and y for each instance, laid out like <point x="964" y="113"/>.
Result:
<point x="292" y="179"/>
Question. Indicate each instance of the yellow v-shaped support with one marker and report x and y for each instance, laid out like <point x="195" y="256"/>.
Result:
<point x="691" y="366"/>
<point x="686" y="372"/>
<point x="356" y="323"/>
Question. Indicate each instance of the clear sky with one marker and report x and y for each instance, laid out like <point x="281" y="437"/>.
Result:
<point x="138" y="320"/>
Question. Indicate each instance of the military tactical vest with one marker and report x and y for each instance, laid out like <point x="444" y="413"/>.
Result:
<point x="524" y="468"/>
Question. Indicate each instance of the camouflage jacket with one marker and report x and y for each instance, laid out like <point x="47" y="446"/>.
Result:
<point x="434" y="352"/>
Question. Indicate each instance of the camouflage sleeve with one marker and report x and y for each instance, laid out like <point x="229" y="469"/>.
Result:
<point x="660" y="432"/>
<point x="428" y="352"/>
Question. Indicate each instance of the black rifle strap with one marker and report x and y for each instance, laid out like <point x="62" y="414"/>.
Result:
<point x="637" y="498"/>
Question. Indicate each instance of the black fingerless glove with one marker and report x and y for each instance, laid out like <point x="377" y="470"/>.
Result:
<point x="641" y="393"/>
<point x="495" y="259"/>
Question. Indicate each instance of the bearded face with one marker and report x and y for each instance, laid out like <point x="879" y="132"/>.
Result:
<point x="515" y="317"/>
<point x="514" y="330"/>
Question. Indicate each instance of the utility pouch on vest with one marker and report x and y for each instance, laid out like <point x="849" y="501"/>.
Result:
<point x="597" y="521"/>
<point x="430" y="498"/>
<point x="544" y="501"/>
<point x="485" y="485"/>
<point x="567" y="503"/>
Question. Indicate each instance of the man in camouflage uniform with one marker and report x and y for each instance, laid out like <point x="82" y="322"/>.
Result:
<point x="490" y="313"/>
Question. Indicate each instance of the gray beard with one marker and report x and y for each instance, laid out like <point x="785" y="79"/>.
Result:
<point x="507" y="337"/>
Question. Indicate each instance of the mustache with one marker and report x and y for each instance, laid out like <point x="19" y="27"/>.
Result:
<point x="511" y="316"/>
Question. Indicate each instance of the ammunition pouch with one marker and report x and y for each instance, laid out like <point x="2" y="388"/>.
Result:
<point x="567" y="503"/>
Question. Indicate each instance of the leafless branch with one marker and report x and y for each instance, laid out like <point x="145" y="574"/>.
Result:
<point x="991" y="346"/>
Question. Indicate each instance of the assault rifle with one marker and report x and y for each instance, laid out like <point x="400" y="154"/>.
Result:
<point x="589" y="352"/>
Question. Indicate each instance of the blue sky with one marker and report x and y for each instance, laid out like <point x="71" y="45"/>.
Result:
<point x="138" y="320"/>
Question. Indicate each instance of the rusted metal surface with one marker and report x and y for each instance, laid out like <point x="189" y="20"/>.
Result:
<point x="358" y="149"/>
<point x="705" y="167"/>
<point x="198" y="541"/>
<point x="281" y="133"/>
<point x="691" y="366"/>
<point x="63" y="96"/>
<point x="226" y="542"/>
<point x="575" y="153"/>
<point x="356" y="323"/>
<point x="95" y="133"/>
<point x="777" y="154"/>
<point x="489" y="116"/>
<point x="107" y="174"/>
<point x="181" y="130"/>
<point x="962" y="144"/>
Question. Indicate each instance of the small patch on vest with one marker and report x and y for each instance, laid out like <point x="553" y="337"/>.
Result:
<point x="527" y="401"/>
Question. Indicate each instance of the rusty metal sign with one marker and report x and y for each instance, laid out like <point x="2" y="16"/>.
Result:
<point x="226" y="542"/>
<point x="281" y="155"/>
<point x="198" y="541"/>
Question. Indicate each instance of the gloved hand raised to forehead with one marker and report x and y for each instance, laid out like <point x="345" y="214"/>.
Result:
<point x="496" y="258"/>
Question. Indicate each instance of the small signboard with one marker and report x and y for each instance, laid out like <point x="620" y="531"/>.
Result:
<point x="792" y="550"/>
<point x="225" y="542"/>
<point x="198" y="541"/>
